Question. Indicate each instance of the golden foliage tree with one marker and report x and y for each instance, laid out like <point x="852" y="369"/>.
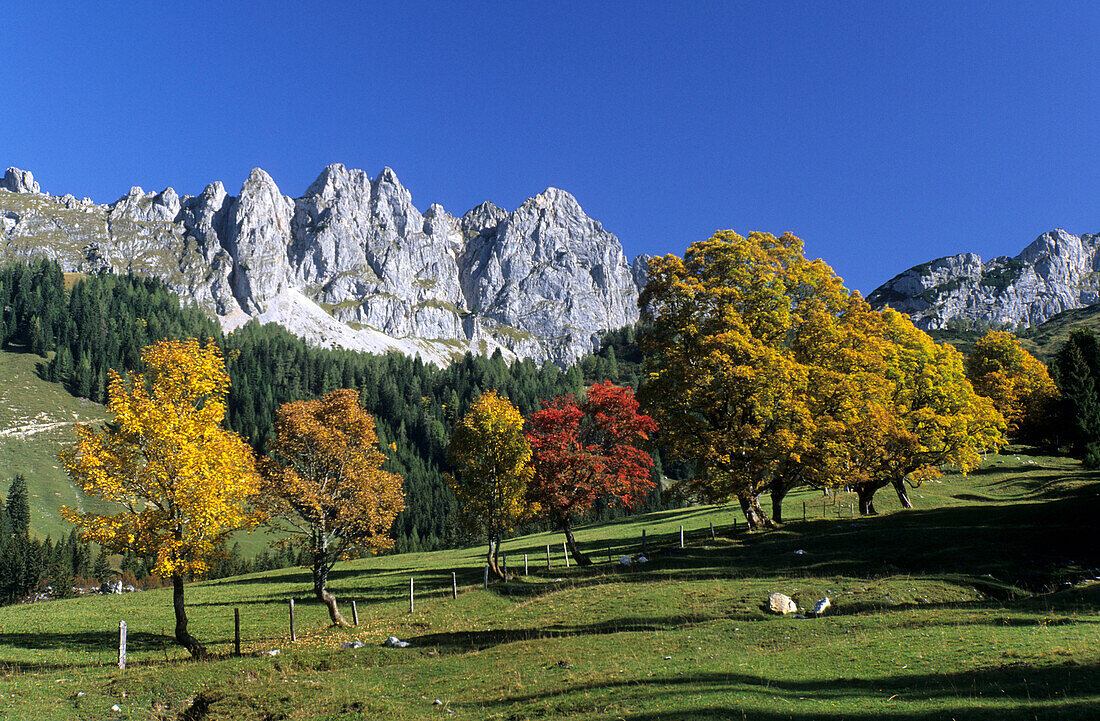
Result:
<point x="492" y="460"/>
<point x="721" y="380"/>
<point x="763" y="370"/>
<point x="323" y="477"/>
<point x="182" y="480"/>
<point x="1017" y="382"/>
<point x="929" y="417"/>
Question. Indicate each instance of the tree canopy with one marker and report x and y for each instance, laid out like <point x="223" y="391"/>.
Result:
<point x="1017" y="383"/>
<point x="588" y="450"/>
<point x="763" y="370"/>
<point x="492" y="461"/>
<point x="181" y="481"/>
<point x="323" y="477"/>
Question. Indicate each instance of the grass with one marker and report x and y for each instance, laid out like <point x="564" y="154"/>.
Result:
<point x="958" y="609"/>
<point x="36" y="419"/>
<point x="1044" y="340"/>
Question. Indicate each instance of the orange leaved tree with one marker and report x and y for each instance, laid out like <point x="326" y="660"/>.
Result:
<point x="492" y="460"/>
<point x="587" y="451"/>
<point x="181" y="481"/>
<point x="323" y="477"/>
<point x="1017" y="383"/>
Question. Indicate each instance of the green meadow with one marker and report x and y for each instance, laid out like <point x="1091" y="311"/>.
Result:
<point x="975" y="605"/>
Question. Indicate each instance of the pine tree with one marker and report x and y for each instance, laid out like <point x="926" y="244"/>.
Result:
<point x="18" y="506"/>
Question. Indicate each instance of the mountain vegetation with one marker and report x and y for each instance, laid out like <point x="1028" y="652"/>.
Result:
<point x="181" y="481"/>
<point x="104" y="321"/>
<point x="324" y="483"/>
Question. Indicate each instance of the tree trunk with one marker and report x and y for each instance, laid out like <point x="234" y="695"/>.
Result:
<point x="754" y="514"/>
<point x="320" y="590"/>
<point x="491" y="558"/>
<point x="903" y="495"/>
<point x="580" y="558"/>
<point x="778" y="493"/>
<point x="184" y="638"/>
<point x="866" y="500"/>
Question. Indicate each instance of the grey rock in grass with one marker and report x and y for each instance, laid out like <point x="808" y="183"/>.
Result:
<point x="351" y="645"/>
<point x="395" y="642"/>
<point x="781" y="604"/>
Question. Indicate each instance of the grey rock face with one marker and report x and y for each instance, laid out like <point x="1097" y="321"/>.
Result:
<point x="541" y="282"/>
<point x="1057" y="272"/>
<point x="19" y="181"/>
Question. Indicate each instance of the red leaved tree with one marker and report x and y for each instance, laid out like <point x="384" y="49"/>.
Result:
<point x="588" y="450"/>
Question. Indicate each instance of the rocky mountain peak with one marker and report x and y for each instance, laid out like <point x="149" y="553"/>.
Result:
<point x="1055" y="272"/>
<point x="353" y="262"/>
<point x="19" y="181"/>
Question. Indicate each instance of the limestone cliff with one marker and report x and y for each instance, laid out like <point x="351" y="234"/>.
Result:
<point x="1057" y="272"/>
<point x="352" y="262"/>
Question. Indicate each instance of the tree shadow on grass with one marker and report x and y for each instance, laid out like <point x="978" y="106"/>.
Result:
<point x="1074" y="687"/>
<point x="101" y="643"/>
<point x="464" y="641"/>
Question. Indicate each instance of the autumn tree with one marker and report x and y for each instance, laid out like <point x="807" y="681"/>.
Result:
<point x="1017" y="383"/>
<point x="586" y="451"/>
<point x="720" y="378"/>
<point x="492" y="461"/>
<point x="182" y="481"/>
<point x="928" y="417"/>
<point x="323" y="477"/>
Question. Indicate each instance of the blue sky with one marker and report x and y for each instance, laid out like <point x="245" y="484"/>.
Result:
<point x="883" y="134"/>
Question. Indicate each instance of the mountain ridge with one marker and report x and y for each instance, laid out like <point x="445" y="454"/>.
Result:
<point x="1056" y="272"/>
<point x="352" y="262"/>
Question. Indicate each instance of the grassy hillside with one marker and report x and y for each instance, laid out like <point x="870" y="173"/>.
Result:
<point x="36" y="417"/>
<point x="970" y="607"/>
<point x="1044" y="340"/>
<point x="36" y="420"/>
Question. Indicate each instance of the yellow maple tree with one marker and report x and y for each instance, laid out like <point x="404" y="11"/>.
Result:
<point x="492" y="461"/>
<point x="767" y="374"/>
<point x="1017" y="382"/>
<point x="181" y="480"/>
<point x="929" y="417"/>
<point x="721" y="379"/>
<point x="323" y="479"/>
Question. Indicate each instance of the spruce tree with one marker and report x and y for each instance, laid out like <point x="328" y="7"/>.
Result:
<point x="18" y="506"/>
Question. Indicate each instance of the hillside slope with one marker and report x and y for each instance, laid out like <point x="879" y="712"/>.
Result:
<point x="989" y="621"/>
<point x="36" y="418"/>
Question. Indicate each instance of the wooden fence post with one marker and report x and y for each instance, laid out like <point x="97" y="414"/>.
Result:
<point x="354" y="613"/>
<point x="565" y="552"/>
<point x="293" y="633"/>
<point x="454" y="585"/>
<point x="412" y="602"/>
<point x="122" y="645"/>
<point x="525" y="564"/>
<point x="486" y="583"/>
<point x="803" y="510"/>
<point x="712" y="531"/>
<point x="236" y="632"/>
<point x="681" y="536"/>
<point x="643" y="541"/>
<point x="547" y="556"/>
